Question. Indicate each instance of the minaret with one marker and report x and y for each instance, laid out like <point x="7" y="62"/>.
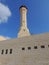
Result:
<point x="23" y="22"/>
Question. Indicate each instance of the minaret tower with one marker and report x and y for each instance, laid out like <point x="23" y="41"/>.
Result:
<point x="23" y="22"/>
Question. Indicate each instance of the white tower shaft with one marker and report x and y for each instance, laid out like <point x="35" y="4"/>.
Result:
<point x="23" y="27"/>
<point x="23" y="13"/>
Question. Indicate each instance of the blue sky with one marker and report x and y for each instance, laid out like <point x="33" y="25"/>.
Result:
<point x="37" y="17"/>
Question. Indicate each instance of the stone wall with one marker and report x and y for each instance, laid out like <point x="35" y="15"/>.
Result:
<point x="30" y="50"/>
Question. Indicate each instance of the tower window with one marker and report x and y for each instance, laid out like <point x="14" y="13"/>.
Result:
<point x="29" y="48"/>
<point x="35" y="47"/>
<point x="23" y="48"/>
<point x="10" y="51"/>
<point x="6" y="51"/>
<point x="2" y="51"/>
<point x="23" y="29"/>
<point x="42" y="46"/>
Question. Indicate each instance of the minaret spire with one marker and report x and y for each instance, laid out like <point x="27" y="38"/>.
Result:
<point x="23" y="27"/>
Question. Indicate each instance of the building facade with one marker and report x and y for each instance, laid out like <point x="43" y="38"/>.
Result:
<point x="26" y="49"/>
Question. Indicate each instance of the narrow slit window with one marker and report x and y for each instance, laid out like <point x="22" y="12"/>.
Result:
<point x="6" y="51"/>
<point x="48" y="45"/>
<point x="29" y="48"/>
<point x="10" y="51"/>
<point x="23" y="48"/>
<point x="42" y="46"/>
<point x="2" y="51"/>
<point x="35" y="47"/>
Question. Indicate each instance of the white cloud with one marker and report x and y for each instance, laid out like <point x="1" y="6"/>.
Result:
<point x="4" y="38"/>
<point x="5" y="13"/>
